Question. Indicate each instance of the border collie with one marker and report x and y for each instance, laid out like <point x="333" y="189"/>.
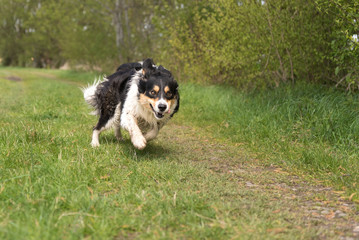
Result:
<point x="139" y="97"/>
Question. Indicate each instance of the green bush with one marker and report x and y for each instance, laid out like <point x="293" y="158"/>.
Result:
<point x="344" y="44"/>
<point x="254" y="44"/>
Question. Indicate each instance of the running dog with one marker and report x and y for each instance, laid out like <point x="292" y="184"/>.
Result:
<point x="139" y="97"/>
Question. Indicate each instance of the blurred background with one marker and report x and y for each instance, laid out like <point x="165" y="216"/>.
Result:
<point x="249" y="44"/>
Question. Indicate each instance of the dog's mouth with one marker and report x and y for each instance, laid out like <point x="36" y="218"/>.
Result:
<point x="158" y="115"/>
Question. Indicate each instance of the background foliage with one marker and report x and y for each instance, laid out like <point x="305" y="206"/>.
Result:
<point x="247" y="44"/>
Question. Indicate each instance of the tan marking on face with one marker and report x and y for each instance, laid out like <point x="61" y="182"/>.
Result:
<point x="171" y="102"/>
<point x="146" y="101"/>
<point x="167" y="89"/>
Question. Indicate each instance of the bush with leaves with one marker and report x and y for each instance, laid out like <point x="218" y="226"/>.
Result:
<point x="344" y="44"/>
<point x="254" y="44"/>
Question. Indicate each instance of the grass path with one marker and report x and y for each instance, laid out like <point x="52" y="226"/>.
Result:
<point x="290" y="200"/>
<point x="185" y="184"/>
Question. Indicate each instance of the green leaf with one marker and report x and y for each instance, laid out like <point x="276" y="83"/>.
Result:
<point x="337" y="69"/>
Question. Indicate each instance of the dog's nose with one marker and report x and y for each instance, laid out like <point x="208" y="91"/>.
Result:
<point x="162" y="107"/>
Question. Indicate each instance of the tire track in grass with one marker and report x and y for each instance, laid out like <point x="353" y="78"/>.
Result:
<point x="310" y="204"/>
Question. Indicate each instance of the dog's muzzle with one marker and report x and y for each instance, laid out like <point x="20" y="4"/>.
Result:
<point x="158" y="115"/>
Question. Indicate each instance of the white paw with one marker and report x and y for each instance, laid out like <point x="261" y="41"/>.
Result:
<point x="139" y="142"/>
<point x="95" y="144"/>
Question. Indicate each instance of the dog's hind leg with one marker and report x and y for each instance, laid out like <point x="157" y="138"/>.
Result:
<point x="117" y="122"/>
<point x="118" y="133"/>
<point x="100" y="126"/>
<point x="95" y="135"/>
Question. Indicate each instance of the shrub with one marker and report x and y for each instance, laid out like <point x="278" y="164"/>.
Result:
<point x="253" y="44"/>
<point x="344" y="44"/>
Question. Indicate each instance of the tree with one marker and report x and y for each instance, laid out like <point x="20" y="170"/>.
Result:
<point x="91" y="32"/>
<point x="29" y="33"/>
<point x="13" y="14"/>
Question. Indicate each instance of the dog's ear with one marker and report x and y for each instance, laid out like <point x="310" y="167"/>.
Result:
<point x="164" y="71"/>
<point x="147" y="67"/>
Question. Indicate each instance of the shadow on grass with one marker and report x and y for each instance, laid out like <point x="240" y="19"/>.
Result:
<point x="153" y="150"/>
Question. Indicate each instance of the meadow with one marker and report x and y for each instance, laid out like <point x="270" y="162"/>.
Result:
<point x="185" y="184"/>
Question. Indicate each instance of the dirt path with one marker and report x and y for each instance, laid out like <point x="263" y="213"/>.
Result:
<point x="309" y="205"/>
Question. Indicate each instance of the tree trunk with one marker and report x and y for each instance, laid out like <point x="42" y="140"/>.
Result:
<point x="118" y="28"/>
<point x="128" y="30"/>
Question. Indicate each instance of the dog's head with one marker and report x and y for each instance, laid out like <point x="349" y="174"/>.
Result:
<point x="158" y="90"/>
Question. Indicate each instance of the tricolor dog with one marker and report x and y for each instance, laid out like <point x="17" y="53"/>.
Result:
<point x="139" y="97"/>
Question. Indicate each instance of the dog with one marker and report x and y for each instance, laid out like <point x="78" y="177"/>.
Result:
<point x="139" y="97"/>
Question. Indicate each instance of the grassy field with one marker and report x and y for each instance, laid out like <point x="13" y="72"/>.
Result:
<point x="217" y="171"/>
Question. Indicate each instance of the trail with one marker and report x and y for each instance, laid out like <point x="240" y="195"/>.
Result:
<point x="309" y="204"/>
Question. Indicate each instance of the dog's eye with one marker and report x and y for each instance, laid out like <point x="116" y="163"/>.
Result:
<point x="169" y="94"/>
<point x="153" y="92"/>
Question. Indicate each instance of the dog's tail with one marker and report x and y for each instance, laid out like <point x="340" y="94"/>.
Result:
<point x="91" y="97"/>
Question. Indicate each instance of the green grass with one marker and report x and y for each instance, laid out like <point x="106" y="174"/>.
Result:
<point x="54" y="185"/>
<point x="309" y="127"/>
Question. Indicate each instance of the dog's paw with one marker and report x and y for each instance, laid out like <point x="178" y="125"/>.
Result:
<point x="139" y="142"/>
<point x="95" y="144"/>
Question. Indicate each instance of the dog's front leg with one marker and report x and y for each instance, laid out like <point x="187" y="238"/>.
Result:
<point x="152" y="133"/>
<point x="129" y="123"/>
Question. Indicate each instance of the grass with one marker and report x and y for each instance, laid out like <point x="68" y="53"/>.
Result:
<point x="53" y="182"/>
<point x="54" y="185"/>
<point x="311" y="128"/>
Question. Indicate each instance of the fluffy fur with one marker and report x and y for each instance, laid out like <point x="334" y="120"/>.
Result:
<point x="139" y="97"/>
